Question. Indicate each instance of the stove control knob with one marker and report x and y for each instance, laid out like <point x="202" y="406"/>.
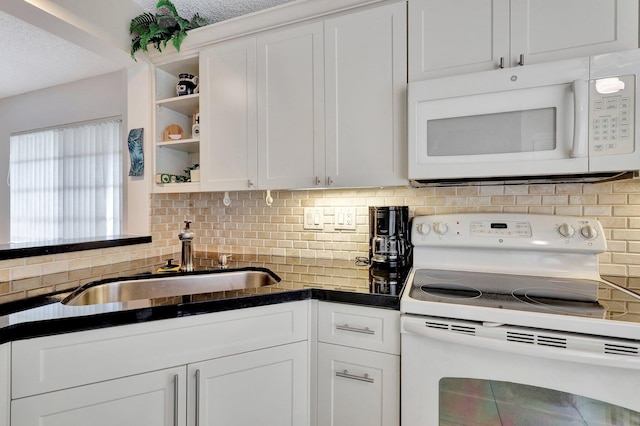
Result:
<point x="440" y="228"/>
<point x="423" y="229"/>
<point x="566" y="230"/>
<point x="589" y="232"/>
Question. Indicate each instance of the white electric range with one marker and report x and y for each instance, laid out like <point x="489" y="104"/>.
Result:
<point x="505" y="320"/>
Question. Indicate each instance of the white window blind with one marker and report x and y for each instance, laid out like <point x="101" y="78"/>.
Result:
<point x="66" y="183"/>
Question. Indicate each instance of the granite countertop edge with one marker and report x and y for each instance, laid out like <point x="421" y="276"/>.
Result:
<point x="54" y="326"/>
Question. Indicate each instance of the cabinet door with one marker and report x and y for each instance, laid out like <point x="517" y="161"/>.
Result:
<point x="153" y="399"/>
<point x="357" y="387"/>
<point x="5" y="390"/>
<point x="229" y="120"/>
<point x="456" y="37"/>
<point x="365" y="74"/>
<point x="290" y="108"/>
<point x="267" y="387"/>
<point x="546" y="30"/>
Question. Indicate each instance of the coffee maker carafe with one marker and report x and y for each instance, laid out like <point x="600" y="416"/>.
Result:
<point x="389" y="245"/>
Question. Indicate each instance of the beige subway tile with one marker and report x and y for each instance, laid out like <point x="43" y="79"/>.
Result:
<point x="626" y="210"/>
<point x="598" y="188"/>
<point x="491" y="190"/>
<point x="529" y="200"/>
<point x="514" y="209"/>
<point x="597" y="211"/>
<point x="555" y="199"/>
<point x="626" y="186"/>
<point x="583" y="199"/>
<point x="516" y="190"/>
<point x="620" y="270"/>
<point x="612" y="199"/>
<point x="568" y="188"/>
<point x="504" y="200"/>
<point x="541" y="209"/>
<point x="542" y="189"/>
<point x="568" y="210"/>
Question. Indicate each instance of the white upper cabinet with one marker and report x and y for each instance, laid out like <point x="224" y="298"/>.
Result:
<point x="290" y="107"/>
<point x="308" y="106"/>
<point x="229" y="155"/>
<point x="448" y="37"/>
<point x="365" y="97"/>
<point x="547" y="30"/>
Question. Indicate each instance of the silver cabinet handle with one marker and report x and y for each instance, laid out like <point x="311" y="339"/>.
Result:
<point x="249" y="183"/>
<point x="318" y="181"/>
<point x="521" y="61"/>
<point x="329" y="181"/>
<point x="198" y="397"/>
<point x="346" y="327"/>
<point x="176" y="377"/>
<point x="501" y="64"/>
<point x="347" y="375"/>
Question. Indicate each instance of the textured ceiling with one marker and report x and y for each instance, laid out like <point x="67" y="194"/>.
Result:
<point x="33" y="58"/>
<point x="214" y="10"/>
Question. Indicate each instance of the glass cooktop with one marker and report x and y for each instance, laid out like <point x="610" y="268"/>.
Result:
<point x="574" y="297"/>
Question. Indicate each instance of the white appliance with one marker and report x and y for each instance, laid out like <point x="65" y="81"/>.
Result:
<point x="506" y="321"/>
<point x="567" y="120"/>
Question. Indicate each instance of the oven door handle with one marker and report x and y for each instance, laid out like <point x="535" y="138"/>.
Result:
<point x="527" y="349"/>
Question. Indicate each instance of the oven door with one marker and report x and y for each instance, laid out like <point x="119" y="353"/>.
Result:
<point x="517" y="122"/>
<point x="463" y="373"/>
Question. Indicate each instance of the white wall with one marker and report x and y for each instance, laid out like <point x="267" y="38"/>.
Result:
<point x="93" y="98"/>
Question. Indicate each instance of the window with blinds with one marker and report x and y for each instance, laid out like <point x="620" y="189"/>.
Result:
<point x="66" y="183"/>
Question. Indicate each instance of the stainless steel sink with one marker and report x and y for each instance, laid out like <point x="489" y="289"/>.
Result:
<point x="170" y="286"/>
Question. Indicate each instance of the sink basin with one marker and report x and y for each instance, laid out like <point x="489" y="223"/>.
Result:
<point x="162" y="286"/>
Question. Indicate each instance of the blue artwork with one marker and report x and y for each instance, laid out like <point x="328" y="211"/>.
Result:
<point x="135" y="152"/>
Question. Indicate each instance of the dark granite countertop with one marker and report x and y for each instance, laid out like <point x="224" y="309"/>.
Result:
<point x="301" y="278"/>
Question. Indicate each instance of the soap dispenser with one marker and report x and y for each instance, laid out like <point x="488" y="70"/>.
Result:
<point x="186" y="237"/>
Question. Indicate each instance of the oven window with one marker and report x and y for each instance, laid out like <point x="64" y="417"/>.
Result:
<point x="465" y="401"/>
<point x="499" y="133"/>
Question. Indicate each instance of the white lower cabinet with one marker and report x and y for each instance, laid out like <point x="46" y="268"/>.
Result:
<point x="153" y="399"/>
<point x="268" y="387"/>
<point x="358" y="366"/>
<point x="5" y="390"/>
<point x="357" y="387"/>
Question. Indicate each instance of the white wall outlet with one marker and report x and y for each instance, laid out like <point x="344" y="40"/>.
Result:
<point x="313" y="218"/>
<point x="345" y="218"/>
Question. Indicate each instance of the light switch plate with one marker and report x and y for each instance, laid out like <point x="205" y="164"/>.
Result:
<point x="345" y="218"/>
<point x="313" y="218"/>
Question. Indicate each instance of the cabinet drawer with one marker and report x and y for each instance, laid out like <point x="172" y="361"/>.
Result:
<point x="359" y="326"/>
<point x="57" y="362"/>
<point x="357" y="387"/>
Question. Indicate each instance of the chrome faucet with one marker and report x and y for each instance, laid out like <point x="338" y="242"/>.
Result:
<point x="186" y="237"/>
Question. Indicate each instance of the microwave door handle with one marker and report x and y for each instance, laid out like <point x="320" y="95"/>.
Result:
<point x="580" y="118"/>
<point x="526" y="349"/>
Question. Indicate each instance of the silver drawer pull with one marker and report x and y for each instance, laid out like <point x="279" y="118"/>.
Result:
<point x="346" y="375"/>
<point x="345" y="327"/>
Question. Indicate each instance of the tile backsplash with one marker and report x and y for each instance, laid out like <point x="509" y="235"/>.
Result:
<point x="250" y="226"/>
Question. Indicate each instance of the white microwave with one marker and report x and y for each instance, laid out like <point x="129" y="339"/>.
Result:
<point x="572" y="120"/>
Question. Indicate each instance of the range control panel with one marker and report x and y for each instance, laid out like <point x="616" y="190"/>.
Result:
<point x="510" y="231"/>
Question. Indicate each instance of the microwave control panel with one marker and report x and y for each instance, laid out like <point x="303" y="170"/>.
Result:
<point x="612" y="115"/>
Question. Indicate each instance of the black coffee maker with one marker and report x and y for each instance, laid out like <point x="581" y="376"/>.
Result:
<point x="389" y="245"/>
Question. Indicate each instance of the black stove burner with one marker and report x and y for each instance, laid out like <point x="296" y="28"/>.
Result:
<point x="559" y="301"/>
<point x="451" y="291"/>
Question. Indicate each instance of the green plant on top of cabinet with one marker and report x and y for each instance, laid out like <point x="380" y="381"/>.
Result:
<point x="176" y="147"/>
<point x="448" y="37"/>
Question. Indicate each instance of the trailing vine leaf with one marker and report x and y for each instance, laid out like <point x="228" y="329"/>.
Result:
<point x="158" y="29"/>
